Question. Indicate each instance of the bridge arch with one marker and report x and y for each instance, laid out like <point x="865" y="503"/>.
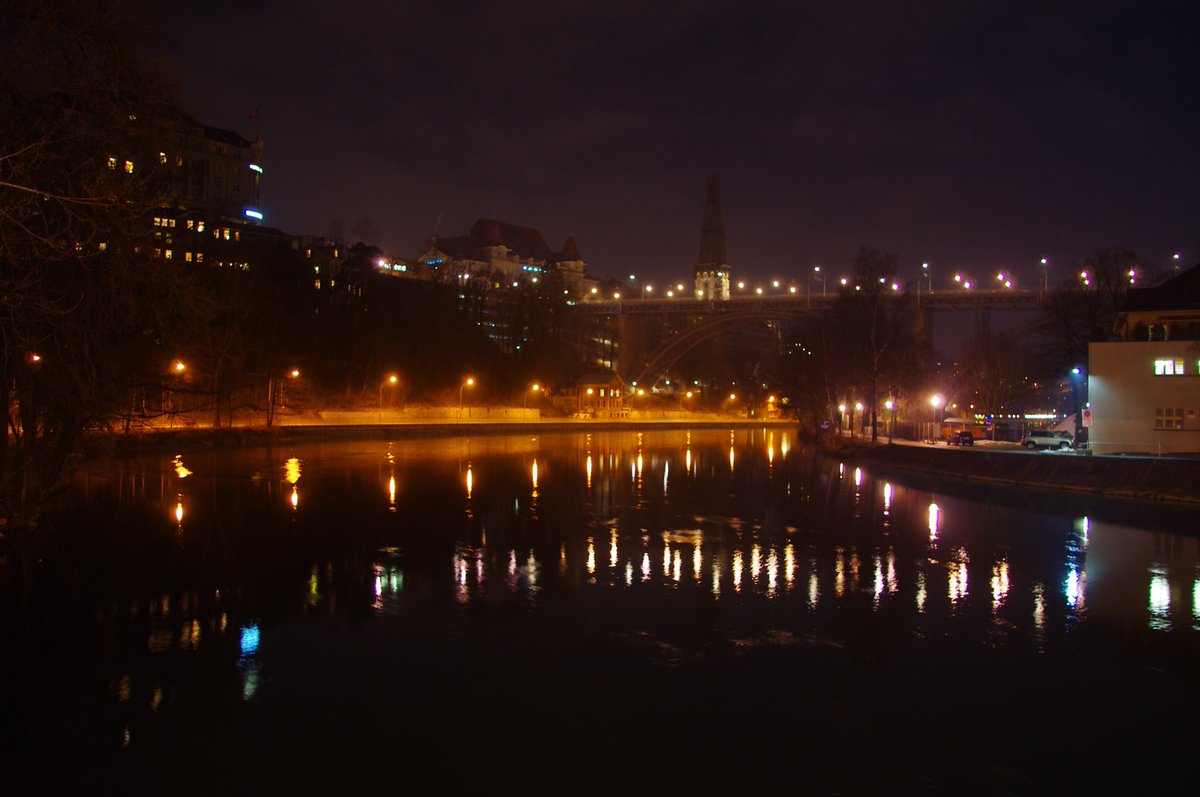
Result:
<point x="679" y="346"/>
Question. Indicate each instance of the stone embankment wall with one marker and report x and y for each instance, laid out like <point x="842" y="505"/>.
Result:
<point x="1141" y="478"/>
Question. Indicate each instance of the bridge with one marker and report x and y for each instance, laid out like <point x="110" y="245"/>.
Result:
<point x="708" y="318"/>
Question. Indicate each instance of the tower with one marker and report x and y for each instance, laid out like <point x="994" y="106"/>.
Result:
<point x="712" y="273"/>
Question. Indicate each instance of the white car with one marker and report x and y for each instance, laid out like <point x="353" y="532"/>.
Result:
<point x="1044" y="438"/>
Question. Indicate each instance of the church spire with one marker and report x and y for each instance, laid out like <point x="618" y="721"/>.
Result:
<point x="712" y="273"/>
<point x="712" y="231"/>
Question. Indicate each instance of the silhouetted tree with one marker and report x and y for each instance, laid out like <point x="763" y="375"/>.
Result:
<point x="84" y="311"/>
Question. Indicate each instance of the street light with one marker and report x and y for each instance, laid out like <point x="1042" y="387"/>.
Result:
<point x="891" y="408"/>
<point x="924" y="275"/>
<point x="391" y="380"/>
<point x="1045" y="276"/>
<point x="1076" y="378"/>
<point x="936" y="403"/>
<point x="841" y="417"/>
<point x="535" y="387"/>
<point x="858" y="409"/>
<point x="817" y="275"/>
<point x="468" y="382"/>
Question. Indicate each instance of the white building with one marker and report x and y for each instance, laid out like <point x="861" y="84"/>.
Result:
<point x="1145" y="388"/>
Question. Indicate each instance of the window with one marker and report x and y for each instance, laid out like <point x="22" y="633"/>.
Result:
<point x="112" y="163"/>
<point x="162" y="157"/>
<point x="129" y="167"/>
<point x="187" y="256"/>
<point x="199" y="257"/>
<point x="168" y="254"/>
<point x="199" y="226"/>
<point x="1166" y="366"/>
<point x="1168" y="418"/>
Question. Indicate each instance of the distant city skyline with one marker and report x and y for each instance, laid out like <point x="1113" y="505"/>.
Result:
<point x="977" y="139"/>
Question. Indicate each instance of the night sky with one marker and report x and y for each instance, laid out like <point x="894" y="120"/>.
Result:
<point x="973" y="135"/>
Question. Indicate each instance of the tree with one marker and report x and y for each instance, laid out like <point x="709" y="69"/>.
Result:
<point x="873" y="338"/>
<point x="84" y="308"/>
<point x="1084" y="309"/>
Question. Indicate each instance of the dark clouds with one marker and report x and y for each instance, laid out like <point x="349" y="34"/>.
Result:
<point x="972" y="135"/>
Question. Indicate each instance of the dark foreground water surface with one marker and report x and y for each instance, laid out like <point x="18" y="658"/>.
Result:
<point x="567" y="613"/>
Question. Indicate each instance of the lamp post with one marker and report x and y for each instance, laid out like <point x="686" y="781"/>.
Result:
<point x="177" y="369"/>
<point x="891" y="408"/>
<point x="468" y="382"/>
<point x="858" y="409"/>
<point x="1045" y="277"/>
<point x="1076" y="377"/>
<point x="535" y="387"/>
<point x="391" y="380"/>
<point x="936" y="403"/>
<point x="924" y="275"/>
<point x="817" y="275"/>
<point x="841" y="417"/>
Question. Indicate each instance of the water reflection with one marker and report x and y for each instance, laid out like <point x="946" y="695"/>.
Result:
<point x="778" y="537"/>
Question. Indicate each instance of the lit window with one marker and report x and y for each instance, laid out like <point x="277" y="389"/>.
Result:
<point x="158" y="253"/>
<point x="171" y="222"/>
<point x="1168" y="367"/>
<point x="1168" y="418"/>
<point x="103" y="246"/>
<point x="112" y="163"/>
<point x="226" y="233"/>
<point x="199" y="257"/>
<point x="191" y="224"/>
<point x="199" y="226"/>
<point x="162" y="157"/>
<point x="317" y="284"/>
<point x="308" y="253"/>
<point x="237" y="235"/>
<point x="129" y="167"/>
<point x="187" y="256"/>
<point x="168" y="254"/>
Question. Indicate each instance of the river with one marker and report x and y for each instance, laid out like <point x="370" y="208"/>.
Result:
<point x="644" y="611"/>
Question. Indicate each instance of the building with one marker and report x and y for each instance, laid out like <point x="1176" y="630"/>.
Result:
<point x="518" y="254"/>
<point x="712" y="272"/>
<point x="1145" y="388"/>
<point x="216" y="171"/>
<point x="600" y="395"/>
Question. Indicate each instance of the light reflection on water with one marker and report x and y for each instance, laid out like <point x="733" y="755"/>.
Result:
<point x="647" y="526"/>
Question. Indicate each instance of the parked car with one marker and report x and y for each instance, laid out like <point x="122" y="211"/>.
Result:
<point x="963" y="438"/>
<point x="1044" y="438"/>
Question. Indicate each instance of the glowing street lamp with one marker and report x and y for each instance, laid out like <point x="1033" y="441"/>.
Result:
<point x="391" y="380"/>
<point x="468" y="382"/>
<point x="936" y="402"/>
<point x="891" y="408"/>
<point x="534" y="388"/>
<point x="817" y="275"/>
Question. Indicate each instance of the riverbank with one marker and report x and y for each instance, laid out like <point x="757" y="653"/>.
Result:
<point x="1158" y="479"/>
<point x="193" y="438"/>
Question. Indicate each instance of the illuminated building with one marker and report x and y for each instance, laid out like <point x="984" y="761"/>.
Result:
<point x="1145" y="388"/>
